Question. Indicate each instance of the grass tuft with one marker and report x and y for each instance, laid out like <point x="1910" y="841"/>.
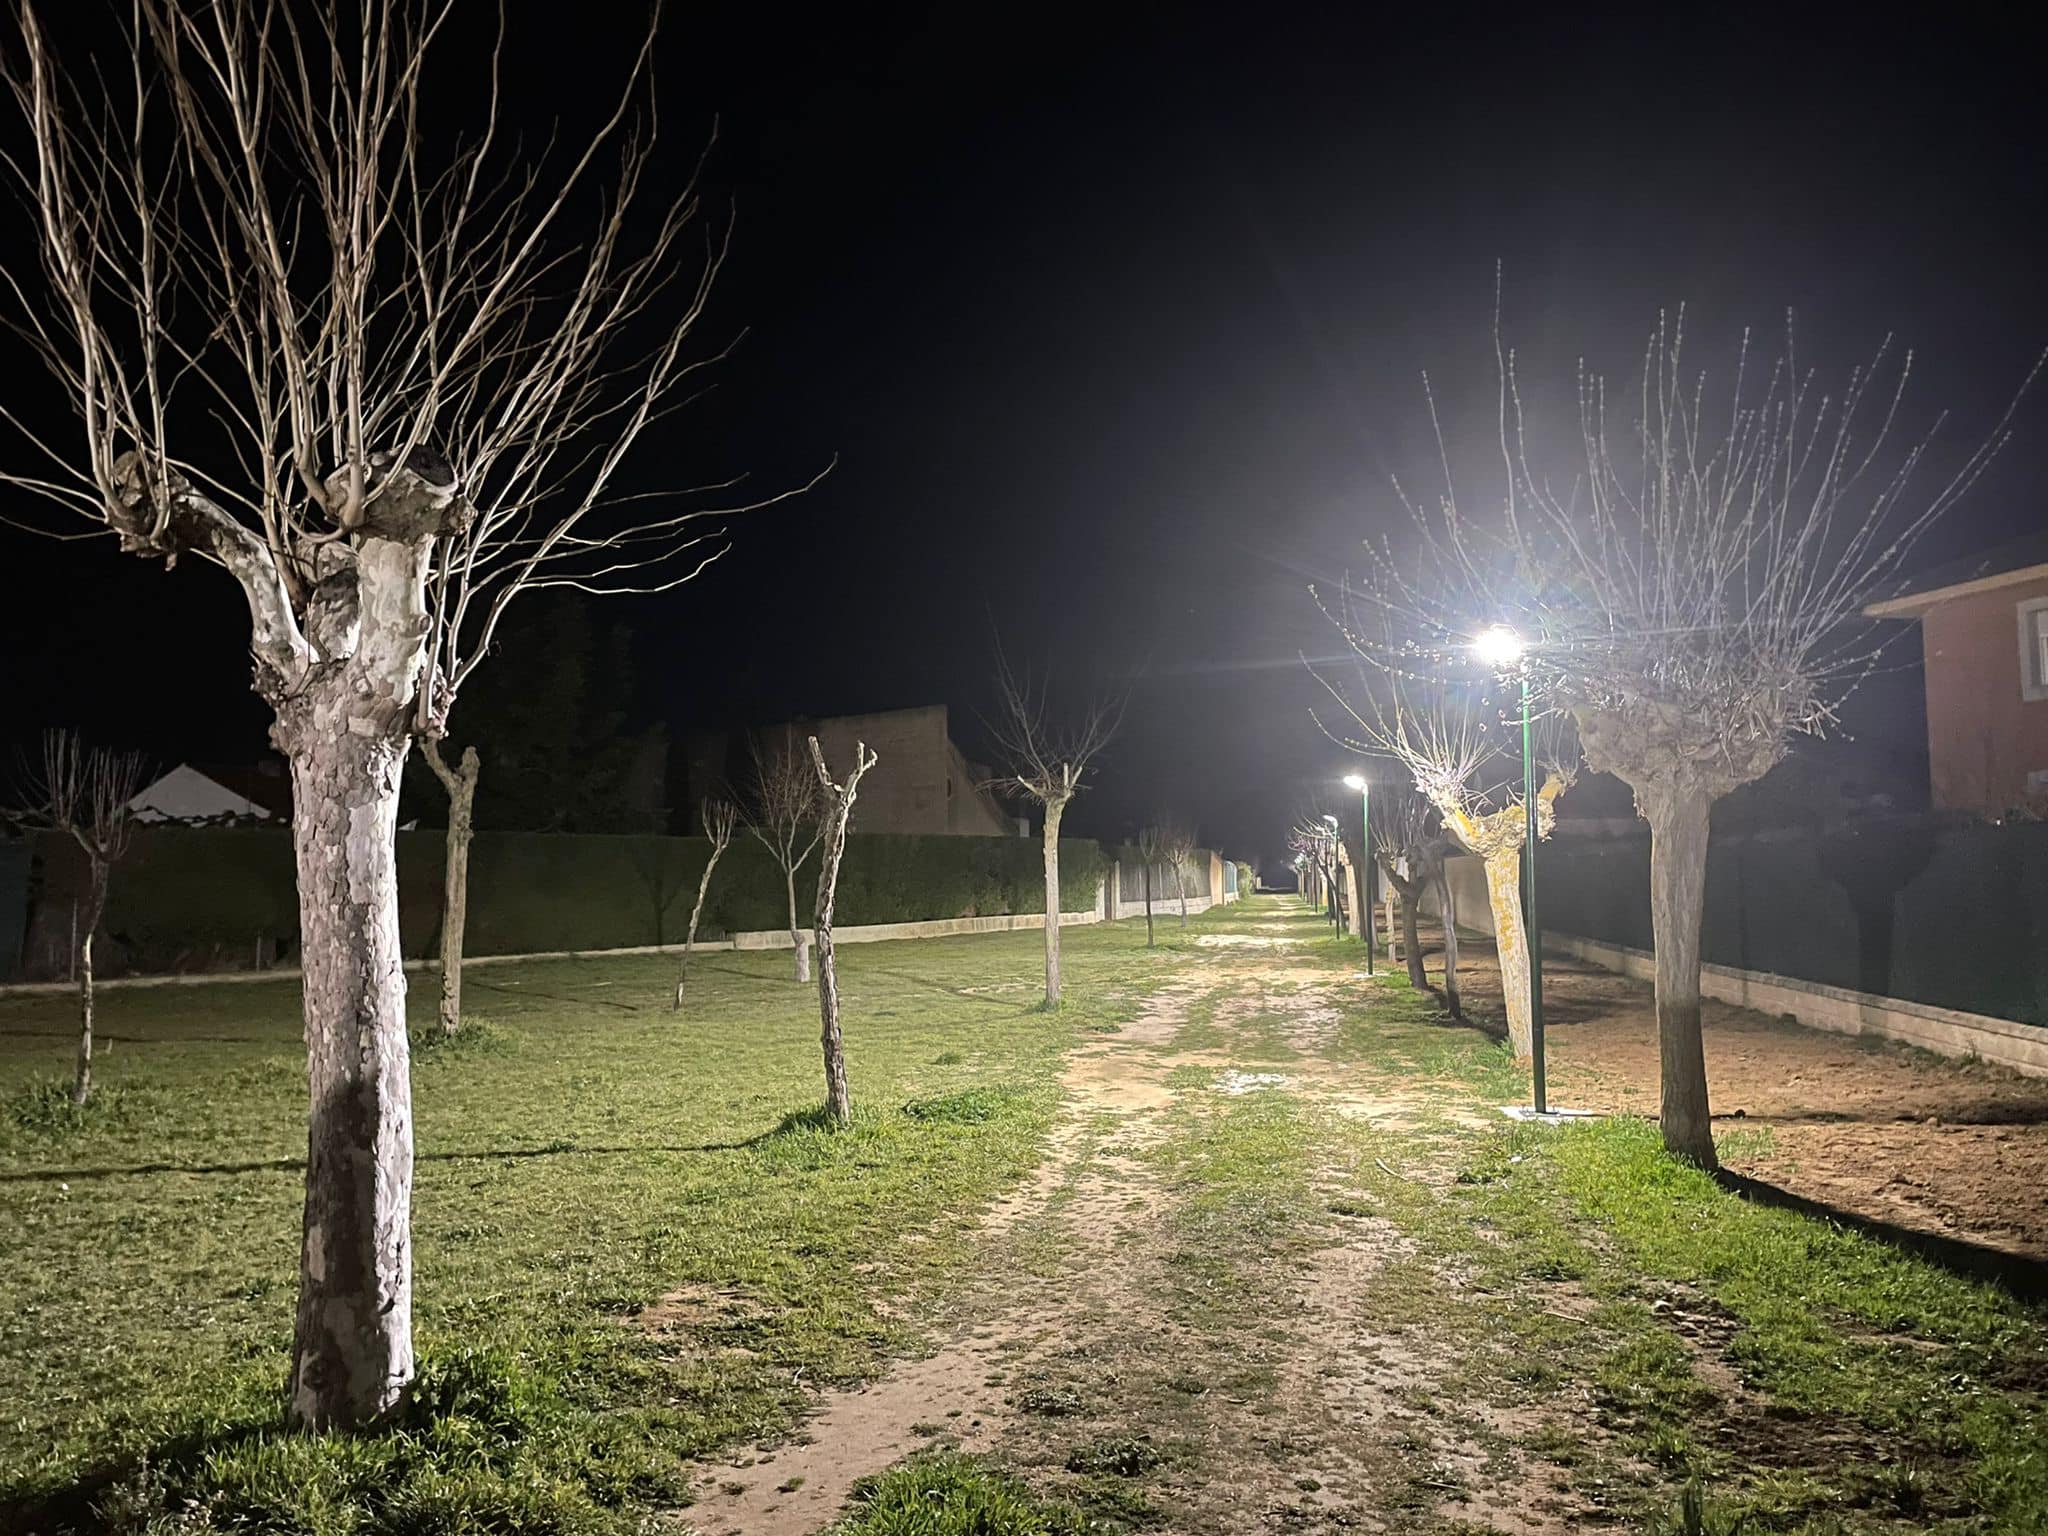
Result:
<point x="949" y="1494"/>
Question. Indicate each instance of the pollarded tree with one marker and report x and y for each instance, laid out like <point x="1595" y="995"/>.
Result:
<point x="1151" y="849"/>
<point x="1046" y="761"/>
<point x="1407" y="844"/>
<point x="1693" y="600"/>
<point x="1452" y="745"/>
<point x="720" y="819"/>
<point x="1177" y="850"/>
<point x="789" y="818"/>
<point x="838" y="799"/>
<point x="385" y="378"/>
<point x="84" y="793"/>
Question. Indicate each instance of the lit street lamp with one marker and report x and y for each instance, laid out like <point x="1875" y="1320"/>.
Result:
<point x="1501" y="650"/>
<point x="1363" y="785"/>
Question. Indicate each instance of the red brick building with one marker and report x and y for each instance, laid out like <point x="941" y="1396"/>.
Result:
<point x="1984" y="626"/>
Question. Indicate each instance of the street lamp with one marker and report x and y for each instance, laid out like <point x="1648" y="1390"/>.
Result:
<point x="1501" y="650"/>
<point x="1363" y="785"/>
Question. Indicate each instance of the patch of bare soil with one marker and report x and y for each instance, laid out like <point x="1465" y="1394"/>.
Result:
<point x="1944" y="1149"/>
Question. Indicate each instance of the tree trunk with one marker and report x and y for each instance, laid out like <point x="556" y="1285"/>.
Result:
<point x="1054" y="810"/>
<point x="1180" y="889"/>
<point x="352" y="1352"/>
<point x="1504" y="895"/>
<point x="838" y="1096"/>
<point x="1148" y="904"/>
<point x="1450" y="915"/>
<point x="81" y="1080"/>
<point x="1411" y="942"/>
<point x="696" y="913"/>
<point x="1678" y="888"/>
<point x="796" y="934"/>
<point x="460" y="783"/>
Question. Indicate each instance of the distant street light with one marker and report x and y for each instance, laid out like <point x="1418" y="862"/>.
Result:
<point x="1500" y="649"/>
<point x="1363" y="785"/>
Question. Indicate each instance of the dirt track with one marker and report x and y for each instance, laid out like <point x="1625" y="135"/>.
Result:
<point x="1319" y="1388"/>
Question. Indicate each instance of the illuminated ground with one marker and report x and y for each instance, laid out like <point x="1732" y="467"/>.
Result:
<point x="1234" y="1243"/>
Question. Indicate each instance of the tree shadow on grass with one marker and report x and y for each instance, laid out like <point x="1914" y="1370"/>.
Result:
<point x="474" y="1155"/>
<point x="981" y="998"/>
<point x="2024" y="1277"/>
<point x="78" y="1505"/>
<point x="556" y="997"/>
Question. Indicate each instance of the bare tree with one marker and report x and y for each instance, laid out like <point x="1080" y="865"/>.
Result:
<point x="1177" y="851"/>
<point x="374" y="373"/>
<point x="1314" y="845"/>
<point x="1151" y="849"/>
<point x="1453" y="748"/>
<point x="460" y="783"/>
<point x="1046" y="761"/>
<point x="838" y="812"/>
<point x="789" y="818"/>
<point x="83" y="793"/>
<point x="720" y="819"/>
<point x="1405" y="833"/>
<point x="1691" y="598"/>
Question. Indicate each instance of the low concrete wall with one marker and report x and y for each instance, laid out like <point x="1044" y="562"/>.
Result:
<point x="773" y="938"/>
<point x="1945" y="1031"/>
<point x="1162" y="908"/>
<point x="777" y="938"/>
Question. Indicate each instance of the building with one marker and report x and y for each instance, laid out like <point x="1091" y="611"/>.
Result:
<point x="1984" y="629"/>
<point x="921" y="781"/>
<point x="212" y="793"/>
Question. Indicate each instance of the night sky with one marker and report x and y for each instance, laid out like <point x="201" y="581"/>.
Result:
<point x="1115" y="324"/>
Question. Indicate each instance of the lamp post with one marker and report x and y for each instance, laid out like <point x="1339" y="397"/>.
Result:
<point x="1363" y="785"/>
<point x="1502" y="649"/>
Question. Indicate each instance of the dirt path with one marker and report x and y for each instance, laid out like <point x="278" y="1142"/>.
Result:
<point x="1120" y="1331"/>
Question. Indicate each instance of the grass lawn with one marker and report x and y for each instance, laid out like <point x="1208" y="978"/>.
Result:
<point x="586" y="1155"/>
<point x="1294" y="1260"/>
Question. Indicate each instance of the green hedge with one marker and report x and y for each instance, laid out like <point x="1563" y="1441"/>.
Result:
<point x="185" y="897"/>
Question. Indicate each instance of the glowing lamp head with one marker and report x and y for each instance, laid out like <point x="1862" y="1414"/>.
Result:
<point x="1354" y="781"/>
<point x="1498" y="647"/>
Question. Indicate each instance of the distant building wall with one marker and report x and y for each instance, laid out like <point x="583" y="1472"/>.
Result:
<point x="1984" y="736"/>
<point x="972" y="809"/>
<point x="921" y="782"/>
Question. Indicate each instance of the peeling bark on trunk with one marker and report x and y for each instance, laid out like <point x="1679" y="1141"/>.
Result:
<point x="81" y="1080"/>
<point x="352" y="1353"/>
<point x="460" y="783"/>
<point x="1678" y="881"/>
<point x="1504" y="895"/>
<point x="1054" y="810"/>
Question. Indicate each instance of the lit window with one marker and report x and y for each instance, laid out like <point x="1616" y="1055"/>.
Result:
<point x="2034" y="648"/>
